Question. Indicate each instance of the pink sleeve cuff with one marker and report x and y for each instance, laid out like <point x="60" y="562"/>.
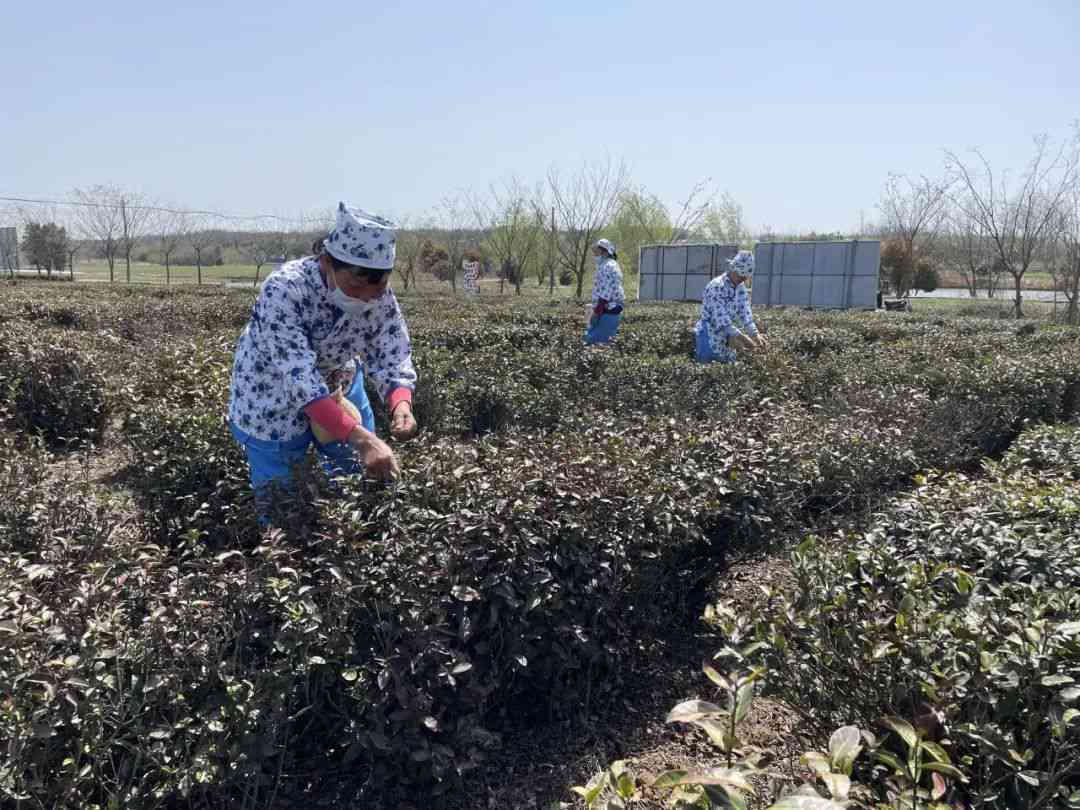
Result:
<point x="397" y="396"/>
<point x="331" y="417"/>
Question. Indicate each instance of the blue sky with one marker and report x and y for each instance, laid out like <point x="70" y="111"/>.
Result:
<point x="798" y="109"/>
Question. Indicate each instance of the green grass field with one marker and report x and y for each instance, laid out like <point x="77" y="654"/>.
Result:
<point x="146" y="273"/>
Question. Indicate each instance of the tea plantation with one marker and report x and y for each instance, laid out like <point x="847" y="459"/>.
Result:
<point x="561" y="509"/>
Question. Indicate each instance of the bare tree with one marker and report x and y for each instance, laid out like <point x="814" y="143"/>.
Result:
<point x="1066" y="266"/>
<point x="173" y="228"/>
<point x="453" y="217"/>
<point x="136" y="221"/>
<point x="73" y="246"/>
<point x="1017" y="217"/>
<point x="584" y="203"/>
<point x="410" y="240"/>
<point x="547" y="256"/>
<point x="200" y="236"/>
<point x="912" y="211"/>
<point x="258" y="243"/>
<point x="965" y="250"/>
<point x="98" y="219"/>
<point x="506" y="215"/>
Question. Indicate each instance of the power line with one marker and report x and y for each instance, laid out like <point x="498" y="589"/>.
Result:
<point x="158" y="208"/>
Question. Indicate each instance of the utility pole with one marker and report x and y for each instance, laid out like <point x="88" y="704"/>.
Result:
<point x="127" y="244"/>
<point x="552" y="253"/>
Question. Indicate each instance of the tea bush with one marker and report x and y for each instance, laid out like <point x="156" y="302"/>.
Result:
<point x="562" y="507"/>
<point x="962" y="603"/>
<point x="24" y="467"/>
<point x="184" y="465"/>
<point x="50" y="387"/>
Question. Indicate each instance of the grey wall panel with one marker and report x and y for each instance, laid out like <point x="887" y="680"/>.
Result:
<point x="695" y="287"/>
<point x="647" y="287"/>
<point x="828" y="292"/>
<point x="760" y="290"/>
<point x="795" y="290"/>
<point x="864" y="290"/>
<point x="699" y="260"/>
<point x="674" y="259"/>
<point x="680" y="272"/>
<point x="647" y="260"/>
<point x="672" y="287"/>
<point x="816" y="274"/>
<point x="831" y="258"/>
<point x="793" y="259"/>
<point x="724" y="253"/>
<point x="868" y="259"/>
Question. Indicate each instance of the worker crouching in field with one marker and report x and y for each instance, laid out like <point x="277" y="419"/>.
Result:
<point x="602" y="316"/>
<point x="725" y="300"/>
<point x="318" y="326"/>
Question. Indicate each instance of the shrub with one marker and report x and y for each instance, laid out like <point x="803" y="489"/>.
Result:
<point x="51" y="387"/>
<point x="184" y="464"/>
<point x="961" y="606"/>
<point x="926" y="276"/>
<point x="560" y="508"/>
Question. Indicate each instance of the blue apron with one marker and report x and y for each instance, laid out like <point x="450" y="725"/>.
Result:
<point x="602" y="328"/>
<point x="272" y="462"/>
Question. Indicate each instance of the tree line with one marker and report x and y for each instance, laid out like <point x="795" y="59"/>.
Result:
<point x="983" y="226"/>
<point x="988" y="226"/>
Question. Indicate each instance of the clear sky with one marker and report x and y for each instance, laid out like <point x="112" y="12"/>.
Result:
<point x="799" y="109"/>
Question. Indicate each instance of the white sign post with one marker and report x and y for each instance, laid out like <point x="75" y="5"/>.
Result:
<point x="470" y="277"/>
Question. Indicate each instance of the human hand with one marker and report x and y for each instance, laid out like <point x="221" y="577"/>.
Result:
<point x="761" y="342"/>
<point x="379" y="460"/>
<point x="741" y="342"/>
<point x="402" y="422"/>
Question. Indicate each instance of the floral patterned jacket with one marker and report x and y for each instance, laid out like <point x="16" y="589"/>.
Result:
<point x="607" y="286"/>
<point x="722" y="304"/>
<point x="297" y="345"/>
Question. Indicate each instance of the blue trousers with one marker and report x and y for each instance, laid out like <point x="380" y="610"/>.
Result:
<point x="602" y="328"/>
<point x="703" y="351"/>
<point x="272" y="463"/>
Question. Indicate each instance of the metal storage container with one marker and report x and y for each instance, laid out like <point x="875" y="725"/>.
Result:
<point x="825" y="275"/>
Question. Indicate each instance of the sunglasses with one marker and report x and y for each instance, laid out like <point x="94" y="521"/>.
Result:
<point x="367" y="274"/>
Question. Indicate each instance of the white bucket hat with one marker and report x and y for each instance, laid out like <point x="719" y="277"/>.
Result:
<point x="362" y="239"/>
<point x="606" y="245"/>
<point x="742" y="263"/>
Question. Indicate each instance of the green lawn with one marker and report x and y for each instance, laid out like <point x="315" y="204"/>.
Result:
<point x="981" y="307"/>
<point x="145" y="273"/>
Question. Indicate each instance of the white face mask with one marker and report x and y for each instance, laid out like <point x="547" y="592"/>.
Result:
<point x="350" y="305"/>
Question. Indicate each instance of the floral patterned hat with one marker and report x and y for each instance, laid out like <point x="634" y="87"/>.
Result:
<point x="606" y="245"/>
<point x="743" y="263"/>
<point x="362" y="239"/>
